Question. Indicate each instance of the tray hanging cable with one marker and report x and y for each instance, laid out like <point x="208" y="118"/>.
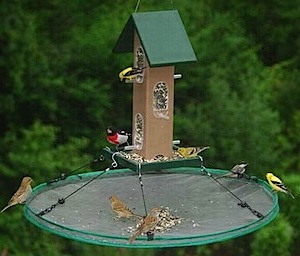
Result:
<point x="241" y="203"/>
<point x="142" y="187"/>
<point x="114" y="164"/>
<point x="62" y="200"/>
<point x="63" y="176"/>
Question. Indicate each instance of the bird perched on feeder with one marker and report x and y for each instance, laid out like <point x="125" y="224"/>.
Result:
<point x="130" y="74"/>
<point x="120" y="208"/>
<point x="277" y="184"/>
<point x="190" y="151"/>
<point x="147" y="224"/>
<point x="236" y="172"/>
<point x="21" y="194"/>
<point x="116" y="138"/>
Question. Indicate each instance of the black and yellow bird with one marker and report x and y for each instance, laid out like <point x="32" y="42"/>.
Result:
<point x="277" y="184"/>
<point x="189" y="152"/>
<point x="130" y="74"/>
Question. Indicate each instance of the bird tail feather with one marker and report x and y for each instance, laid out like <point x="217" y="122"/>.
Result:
<point x="6" y="207"/>
<point x="225" y="175"/>
<point x="289" y="193"/>
<point x="134" y="236"/>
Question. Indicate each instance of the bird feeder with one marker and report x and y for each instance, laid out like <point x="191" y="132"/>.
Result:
<point x="198" y="208"/>
<point x="158" y="41"/>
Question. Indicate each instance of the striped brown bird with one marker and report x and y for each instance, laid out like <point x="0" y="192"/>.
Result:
<point x="21" y="194"/>
<point x="147" y="224"/>
<point x="121" y="209"/>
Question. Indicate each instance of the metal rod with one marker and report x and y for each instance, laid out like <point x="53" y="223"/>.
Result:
<point x="177" y="76"/>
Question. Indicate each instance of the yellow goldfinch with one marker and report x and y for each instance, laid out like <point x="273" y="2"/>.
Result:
<point x="277" y="184"/>
<point x="129" y="74"/>
<point x="22" y="193"/>
<point x="190" y="151"/>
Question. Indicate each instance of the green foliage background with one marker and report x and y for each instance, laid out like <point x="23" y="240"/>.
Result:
<point x="60" y="89"/>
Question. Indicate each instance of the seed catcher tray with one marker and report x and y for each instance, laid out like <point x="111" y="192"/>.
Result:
<point x="137" y="163"/>
<point x="199" y="209"/>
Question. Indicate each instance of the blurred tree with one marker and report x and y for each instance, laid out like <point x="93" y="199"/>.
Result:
<point x="236" y="87"/>
<point x="60" y="89"/>
<point x="36" y="151"/>
<point x="291" y="207"/>
<point x="24" y="239"/>
<point x="19" y="50"/>
<point x="274" y="239"/>
<point x="272" y="24"/>
<point x="286" y="93"/>
<point x="33" y="152"/>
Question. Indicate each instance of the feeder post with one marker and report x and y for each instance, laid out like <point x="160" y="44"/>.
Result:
<point x="153" y="107"/>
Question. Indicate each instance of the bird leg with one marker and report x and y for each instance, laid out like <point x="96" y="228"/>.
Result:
<point x="150" y="235"/>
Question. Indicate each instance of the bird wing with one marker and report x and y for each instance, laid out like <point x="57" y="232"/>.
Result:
<point x="133" y="71"/>
<point x="237" y="169"/>
<point x="279" y="184"/>
<point x="122" y="209"/>
<point x="14" y="199"/>
<point x="187" y="152"/>
<point x="24" y="194"/>
<point x="191" y="151"/>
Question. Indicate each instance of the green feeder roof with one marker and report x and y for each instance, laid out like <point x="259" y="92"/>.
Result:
<point x="162" y="36"/>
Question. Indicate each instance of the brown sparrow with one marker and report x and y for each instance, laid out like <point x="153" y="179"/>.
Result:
<point x="22" y="193"/>
<point x="147" y="224"/>
<point x="120" y="208"/>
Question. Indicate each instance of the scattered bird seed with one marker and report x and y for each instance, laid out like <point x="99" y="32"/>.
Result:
<point x="167" y="221"/>
<point x="159" y="158"/>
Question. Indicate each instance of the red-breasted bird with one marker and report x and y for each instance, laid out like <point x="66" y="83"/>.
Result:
<point x="277" y="184"/>
<point x="21" y="194"/>
<point x="115" y="137"/>
<point x="236" y="171"/>
<point x="147" y="224"/>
